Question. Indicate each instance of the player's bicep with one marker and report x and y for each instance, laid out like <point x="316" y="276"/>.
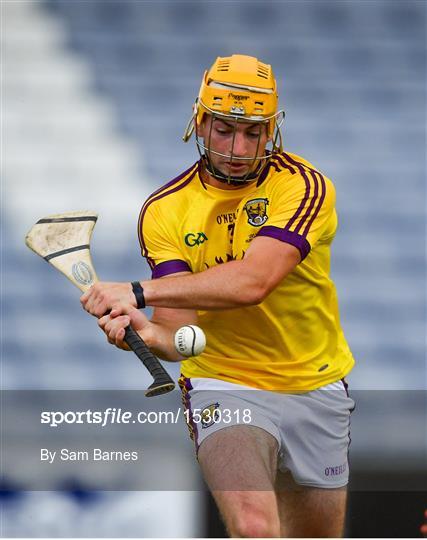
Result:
<point x="271" y="260"/>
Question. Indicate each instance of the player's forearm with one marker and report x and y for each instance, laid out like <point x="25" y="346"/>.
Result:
<point x="230" y="285"/>
<point x="159" y="338"/>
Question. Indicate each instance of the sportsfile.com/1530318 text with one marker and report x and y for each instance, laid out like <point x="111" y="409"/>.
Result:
<point x="112" y="415"/>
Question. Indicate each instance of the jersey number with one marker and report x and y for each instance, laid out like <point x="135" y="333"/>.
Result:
<point x="231" y="232"/>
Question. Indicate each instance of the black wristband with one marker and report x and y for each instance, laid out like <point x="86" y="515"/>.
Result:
<point x="138" y="291"/>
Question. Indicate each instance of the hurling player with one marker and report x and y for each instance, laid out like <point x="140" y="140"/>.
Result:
<point x="239" y="244"/>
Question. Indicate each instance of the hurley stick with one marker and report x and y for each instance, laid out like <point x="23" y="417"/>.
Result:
<point x="63" y="240"/>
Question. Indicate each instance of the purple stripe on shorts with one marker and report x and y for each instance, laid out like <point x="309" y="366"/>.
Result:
<point x="289" y="237"/>
<point x="188" y="386"/>
<point x="319" y="206"/>
<point x="349" y="419"/>
<point x="170" y="267"/>
<point x="160" y="196"/>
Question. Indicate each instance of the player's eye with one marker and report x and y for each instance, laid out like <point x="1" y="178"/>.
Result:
<point x="253" y="135"/>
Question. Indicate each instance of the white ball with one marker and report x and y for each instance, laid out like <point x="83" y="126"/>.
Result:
<point x="190" y="340"/>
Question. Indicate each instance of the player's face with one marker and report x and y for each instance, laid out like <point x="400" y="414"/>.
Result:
<point x="239" y="143"/>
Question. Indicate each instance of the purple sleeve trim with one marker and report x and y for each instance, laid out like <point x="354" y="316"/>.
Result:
<point x="169" y="267"/>
<point x="289" y="237"/>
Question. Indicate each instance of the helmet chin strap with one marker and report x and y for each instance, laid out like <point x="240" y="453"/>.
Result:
<point x="227" y="179"/>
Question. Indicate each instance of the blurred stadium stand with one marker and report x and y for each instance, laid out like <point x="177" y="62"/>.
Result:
<point x="96" y="96"/>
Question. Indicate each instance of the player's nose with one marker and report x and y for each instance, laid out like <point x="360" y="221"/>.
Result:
<point x="240" y="145"/>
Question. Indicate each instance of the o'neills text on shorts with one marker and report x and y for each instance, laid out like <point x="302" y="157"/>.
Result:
<point x="336" y="471"/>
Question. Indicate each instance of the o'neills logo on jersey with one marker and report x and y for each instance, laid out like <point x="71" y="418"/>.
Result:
<point x="256" y="210"/>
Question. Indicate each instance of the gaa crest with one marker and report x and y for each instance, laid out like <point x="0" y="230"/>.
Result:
<point x="256" y="209"/>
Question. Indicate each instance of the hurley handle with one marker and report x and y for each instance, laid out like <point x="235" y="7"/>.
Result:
<point x="162" y="381"/>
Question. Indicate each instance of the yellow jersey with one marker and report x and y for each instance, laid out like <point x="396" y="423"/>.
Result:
<point x="293" y="340"/>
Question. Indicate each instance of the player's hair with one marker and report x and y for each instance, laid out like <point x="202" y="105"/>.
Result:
<point x="239" y="88"/>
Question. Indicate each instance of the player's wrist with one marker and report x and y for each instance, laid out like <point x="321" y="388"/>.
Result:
<point x="138" y="291"/>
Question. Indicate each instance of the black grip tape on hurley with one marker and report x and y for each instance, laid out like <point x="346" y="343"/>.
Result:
<point x="162" y="381"/>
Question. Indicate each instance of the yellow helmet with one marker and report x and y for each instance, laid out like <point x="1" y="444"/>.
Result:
<point x="242" y="88"/>
<point x="239" y="85"/>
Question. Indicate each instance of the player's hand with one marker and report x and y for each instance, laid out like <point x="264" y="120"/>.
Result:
<point x="114" y="325"/>
<point x="103" y="297"/>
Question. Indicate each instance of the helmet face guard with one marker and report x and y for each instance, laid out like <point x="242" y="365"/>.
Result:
<point x="257" y="162"/>
<point x="238" y="89"/>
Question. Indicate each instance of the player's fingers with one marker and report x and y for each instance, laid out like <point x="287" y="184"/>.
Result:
<point x="97" y="306"/>
<point x="103" y="321"/>
<point x="90" y="302"/>
<point x="119" y="339"/>
<point x="120" y="336"/>
<point x="116" y="337"/>
<point x="114" y="328"/>
<point x="123" y="308"/>
<point x="105" y="302"/>
<point x="93" y="301"/>
<point x="88" y="295"/>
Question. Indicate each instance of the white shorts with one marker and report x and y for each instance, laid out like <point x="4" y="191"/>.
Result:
<point x="312" y="429"/>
